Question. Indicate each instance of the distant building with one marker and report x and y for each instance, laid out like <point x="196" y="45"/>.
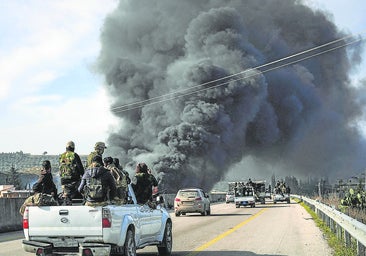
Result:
<point x="9" y="191"/>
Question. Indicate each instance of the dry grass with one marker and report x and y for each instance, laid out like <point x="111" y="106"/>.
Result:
<point x="335" y="202"/>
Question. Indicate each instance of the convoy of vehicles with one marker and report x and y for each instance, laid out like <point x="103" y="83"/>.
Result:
<point x="243" y="192"/>
<point x="192" y="200"/>
<point x="123" y="229"/>
<point x="85" y="230"/>
<point x="261" y="193"/>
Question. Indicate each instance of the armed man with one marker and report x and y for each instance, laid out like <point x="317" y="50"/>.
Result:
<point x="121" y="179"/>
<point x="98" y="151"/>
<point x="142" y="184"/>
<point x="71" y="170"/>
<point x="98" y="184"/>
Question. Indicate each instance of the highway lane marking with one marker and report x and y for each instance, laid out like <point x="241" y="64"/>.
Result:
<point x="221" y="236"/>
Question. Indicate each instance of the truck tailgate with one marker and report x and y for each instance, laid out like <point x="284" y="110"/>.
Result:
<point x="65" y="221"/>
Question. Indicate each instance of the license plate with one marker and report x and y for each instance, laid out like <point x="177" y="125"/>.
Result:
<point x="66" y="243"/>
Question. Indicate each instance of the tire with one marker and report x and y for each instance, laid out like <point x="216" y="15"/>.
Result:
<point x="177" y="214"/>
<point x="165" y="248"/>
<point x="129" y="248"/>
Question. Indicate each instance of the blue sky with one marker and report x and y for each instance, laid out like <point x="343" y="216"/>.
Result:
<point x="49" y="93"/>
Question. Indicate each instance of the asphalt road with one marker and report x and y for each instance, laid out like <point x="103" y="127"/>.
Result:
<point x="266" y="230"/>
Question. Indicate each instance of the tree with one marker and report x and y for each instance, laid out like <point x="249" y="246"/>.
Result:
<point x="14" y="178"/>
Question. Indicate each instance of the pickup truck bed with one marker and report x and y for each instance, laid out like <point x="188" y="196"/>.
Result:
<point x="85" y="230"/>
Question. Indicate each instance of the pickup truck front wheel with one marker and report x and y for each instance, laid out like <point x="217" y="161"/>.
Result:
<point x="165" y="248"/>
<point x="130" y="245"/>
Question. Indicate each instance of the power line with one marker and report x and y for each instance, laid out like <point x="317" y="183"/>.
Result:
<point x="188" y="91"/>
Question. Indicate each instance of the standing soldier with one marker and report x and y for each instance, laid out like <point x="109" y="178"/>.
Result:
<point x="120" y="177"/>
<point x="44" y="189"/>
<point x="71" y="171"/>
<point x="98" y="150"/>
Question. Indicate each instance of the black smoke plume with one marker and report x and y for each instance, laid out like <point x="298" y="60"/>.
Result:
<point x="302" y="115"/>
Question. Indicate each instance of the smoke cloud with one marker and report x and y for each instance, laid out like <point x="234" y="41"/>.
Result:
<point x="301" y="116"/>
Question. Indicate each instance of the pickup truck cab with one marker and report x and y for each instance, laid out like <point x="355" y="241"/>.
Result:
<point x="90" y="231"/>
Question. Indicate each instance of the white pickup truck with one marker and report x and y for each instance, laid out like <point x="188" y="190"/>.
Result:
<point x="91" y="231"/>
<point x="244" y="196"/>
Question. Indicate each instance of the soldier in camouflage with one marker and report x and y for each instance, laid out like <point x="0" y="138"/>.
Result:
<point x="70" y="185"/>
<point x="121" y="178"/>
<point x="98" y="171"/>
<point x="98" y="150"/>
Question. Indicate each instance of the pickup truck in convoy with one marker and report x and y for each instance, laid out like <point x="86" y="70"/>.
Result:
<point x="244" y="196"/>
<point x="90" y="231"/>
<point x="281" y="198"/>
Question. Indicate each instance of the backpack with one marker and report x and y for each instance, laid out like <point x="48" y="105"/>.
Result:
<point x="67" y="165"/>
<point x="119" y="176"/>
<point x="94" y="189"/>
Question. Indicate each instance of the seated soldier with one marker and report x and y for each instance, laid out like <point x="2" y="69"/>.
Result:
<point x="44" y="190"/>
<point x="97" y="184"/>
<point x="120" y="178"/>
<point x="141" y="184"/>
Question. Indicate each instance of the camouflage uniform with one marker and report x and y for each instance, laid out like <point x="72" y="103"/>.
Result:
<point x="98" y="150"/>
<point x="107" y="181"/>
<point x="69" y="186"/>
<point x="121" y="179"/>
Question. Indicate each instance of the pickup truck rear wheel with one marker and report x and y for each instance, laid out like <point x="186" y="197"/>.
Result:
<point x="130" y="245"/>
<point x="165" y="248"/>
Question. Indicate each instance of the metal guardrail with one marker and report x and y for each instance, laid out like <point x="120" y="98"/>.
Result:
<point x="341" y="224"/>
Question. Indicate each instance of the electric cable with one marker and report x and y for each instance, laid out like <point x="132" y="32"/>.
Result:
<point x="172" y="95"/>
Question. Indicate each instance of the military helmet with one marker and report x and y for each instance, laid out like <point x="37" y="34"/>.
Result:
<point x="100" y="145"/>
<point x="70" y="144"/>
